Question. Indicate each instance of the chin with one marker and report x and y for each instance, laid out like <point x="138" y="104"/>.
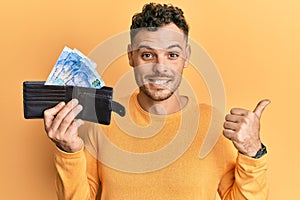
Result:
<point x="159" y="95"/>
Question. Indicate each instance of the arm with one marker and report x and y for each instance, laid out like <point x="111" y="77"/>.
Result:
<point x="247" y="180"/>
<point x="77" y="175"/>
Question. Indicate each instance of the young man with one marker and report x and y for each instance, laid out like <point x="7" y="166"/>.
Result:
<point x="158" y="53"/>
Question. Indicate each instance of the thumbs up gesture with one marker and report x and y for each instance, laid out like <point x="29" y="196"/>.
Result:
<point x="242" y="128"/>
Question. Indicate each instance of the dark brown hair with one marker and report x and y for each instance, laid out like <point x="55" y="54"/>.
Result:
<point x="155" y="15"/>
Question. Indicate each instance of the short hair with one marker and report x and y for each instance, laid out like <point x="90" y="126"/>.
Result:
<point x="155" y="15"/>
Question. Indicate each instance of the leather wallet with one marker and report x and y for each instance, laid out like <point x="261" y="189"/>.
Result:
<point x="97" y="103"/>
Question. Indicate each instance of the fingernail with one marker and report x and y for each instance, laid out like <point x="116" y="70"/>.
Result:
<point x="75" y="101"/>
<point x="62" y="103"/>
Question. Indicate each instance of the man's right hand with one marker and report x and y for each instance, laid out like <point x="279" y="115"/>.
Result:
<point x="62" y="127"/>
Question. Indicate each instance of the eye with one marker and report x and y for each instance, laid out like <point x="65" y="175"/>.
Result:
<point x="173" y="55"/>
<point x="147" y="56"/>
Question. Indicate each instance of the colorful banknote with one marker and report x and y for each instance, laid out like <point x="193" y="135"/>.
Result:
<point x="76" y="69"/>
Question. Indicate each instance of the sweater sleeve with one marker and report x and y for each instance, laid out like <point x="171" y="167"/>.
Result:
<point x="246" y="180"/>
<point x="76" y="175"/>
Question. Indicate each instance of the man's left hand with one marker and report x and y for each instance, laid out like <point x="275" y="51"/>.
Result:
<point x="242" y="128"/>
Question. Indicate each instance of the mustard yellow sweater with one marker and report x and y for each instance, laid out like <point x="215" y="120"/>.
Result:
<point x="100" y="172"/>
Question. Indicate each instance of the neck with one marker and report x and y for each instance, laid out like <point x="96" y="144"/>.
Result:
<point x="171" y="105"/>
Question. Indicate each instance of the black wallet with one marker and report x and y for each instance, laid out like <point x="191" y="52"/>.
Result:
<point x="97" y="103"/>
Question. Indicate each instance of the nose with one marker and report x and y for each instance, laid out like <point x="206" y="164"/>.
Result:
<point x="160" y="65"/>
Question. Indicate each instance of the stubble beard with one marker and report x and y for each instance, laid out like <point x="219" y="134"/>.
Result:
<point x="159" y="94"/>
<point x="154" y="95"/>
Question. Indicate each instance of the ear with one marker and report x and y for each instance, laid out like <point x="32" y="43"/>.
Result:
<point x="129" y="54"/>
<point x="188" y="54"/>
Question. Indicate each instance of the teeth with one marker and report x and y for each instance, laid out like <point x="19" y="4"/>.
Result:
<point x="159" y="82"/>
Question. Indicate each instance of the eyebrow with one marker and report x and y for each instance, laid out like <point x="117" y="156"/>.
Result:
<point x="144" y="47"/>
<point x="150" y="48"/>
<point x="174" y="46"/>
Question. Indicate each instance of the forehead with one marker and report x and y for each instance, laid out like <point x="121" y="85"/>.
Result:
<point x="161" y="38"/>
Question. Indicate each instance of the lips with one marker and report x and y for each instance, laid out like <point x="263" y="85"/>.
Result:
<point x="158" y="82"/>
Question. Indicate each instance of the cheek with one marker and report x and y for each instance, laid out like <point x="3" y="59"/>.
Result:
<point x="139" y="73"/>
<point x="178" y="69"/>
<point x="138" y="77"/>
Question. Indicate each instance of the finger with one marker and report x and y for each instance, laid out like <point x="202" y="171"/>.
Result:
<point x="73" y="128"/>
<point x="239" y="111"/>
<point x="50" y="113"/>
<point x="79" y="122"/>
<point x="260" y="107"/>
<point x="69" y="118"/>
<point x="230" y="126"/>
<point x="233" y="118"/>
<point x="62" y="114"/>
<point x="72" y="132"/>
<point x="229" y="134"/>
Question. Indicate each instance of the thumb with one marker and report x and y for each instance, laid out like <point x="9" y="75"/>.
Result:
<point x="261" y="106"/>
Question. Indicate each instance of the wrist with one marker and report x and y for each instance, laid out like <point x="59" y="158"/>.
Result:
<point x="252" y="149"/>
<point x="62" y="151"/>
<point x="69" y="148"/>
<point x="262" y="151"/>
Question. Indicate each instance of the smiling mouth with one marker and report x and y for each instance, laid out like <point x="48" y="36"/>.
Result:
<point x="158" y="82"/>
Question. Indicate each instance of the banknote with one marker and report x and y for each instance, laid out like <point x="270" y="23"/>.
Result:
<point x="58" y="65"/>
<point x="86" y="59"/>
<point x="85" y="76"/>
<point x="70" y="65"/>
<point x="76" y="69"/>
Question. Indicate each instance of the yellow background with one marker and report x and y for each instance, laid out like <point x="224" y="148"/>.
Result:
<point x="255" y="44"/>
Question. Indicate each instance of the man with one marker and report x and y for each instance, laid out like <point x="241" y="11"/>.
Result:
<point x="158" y="53"/>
